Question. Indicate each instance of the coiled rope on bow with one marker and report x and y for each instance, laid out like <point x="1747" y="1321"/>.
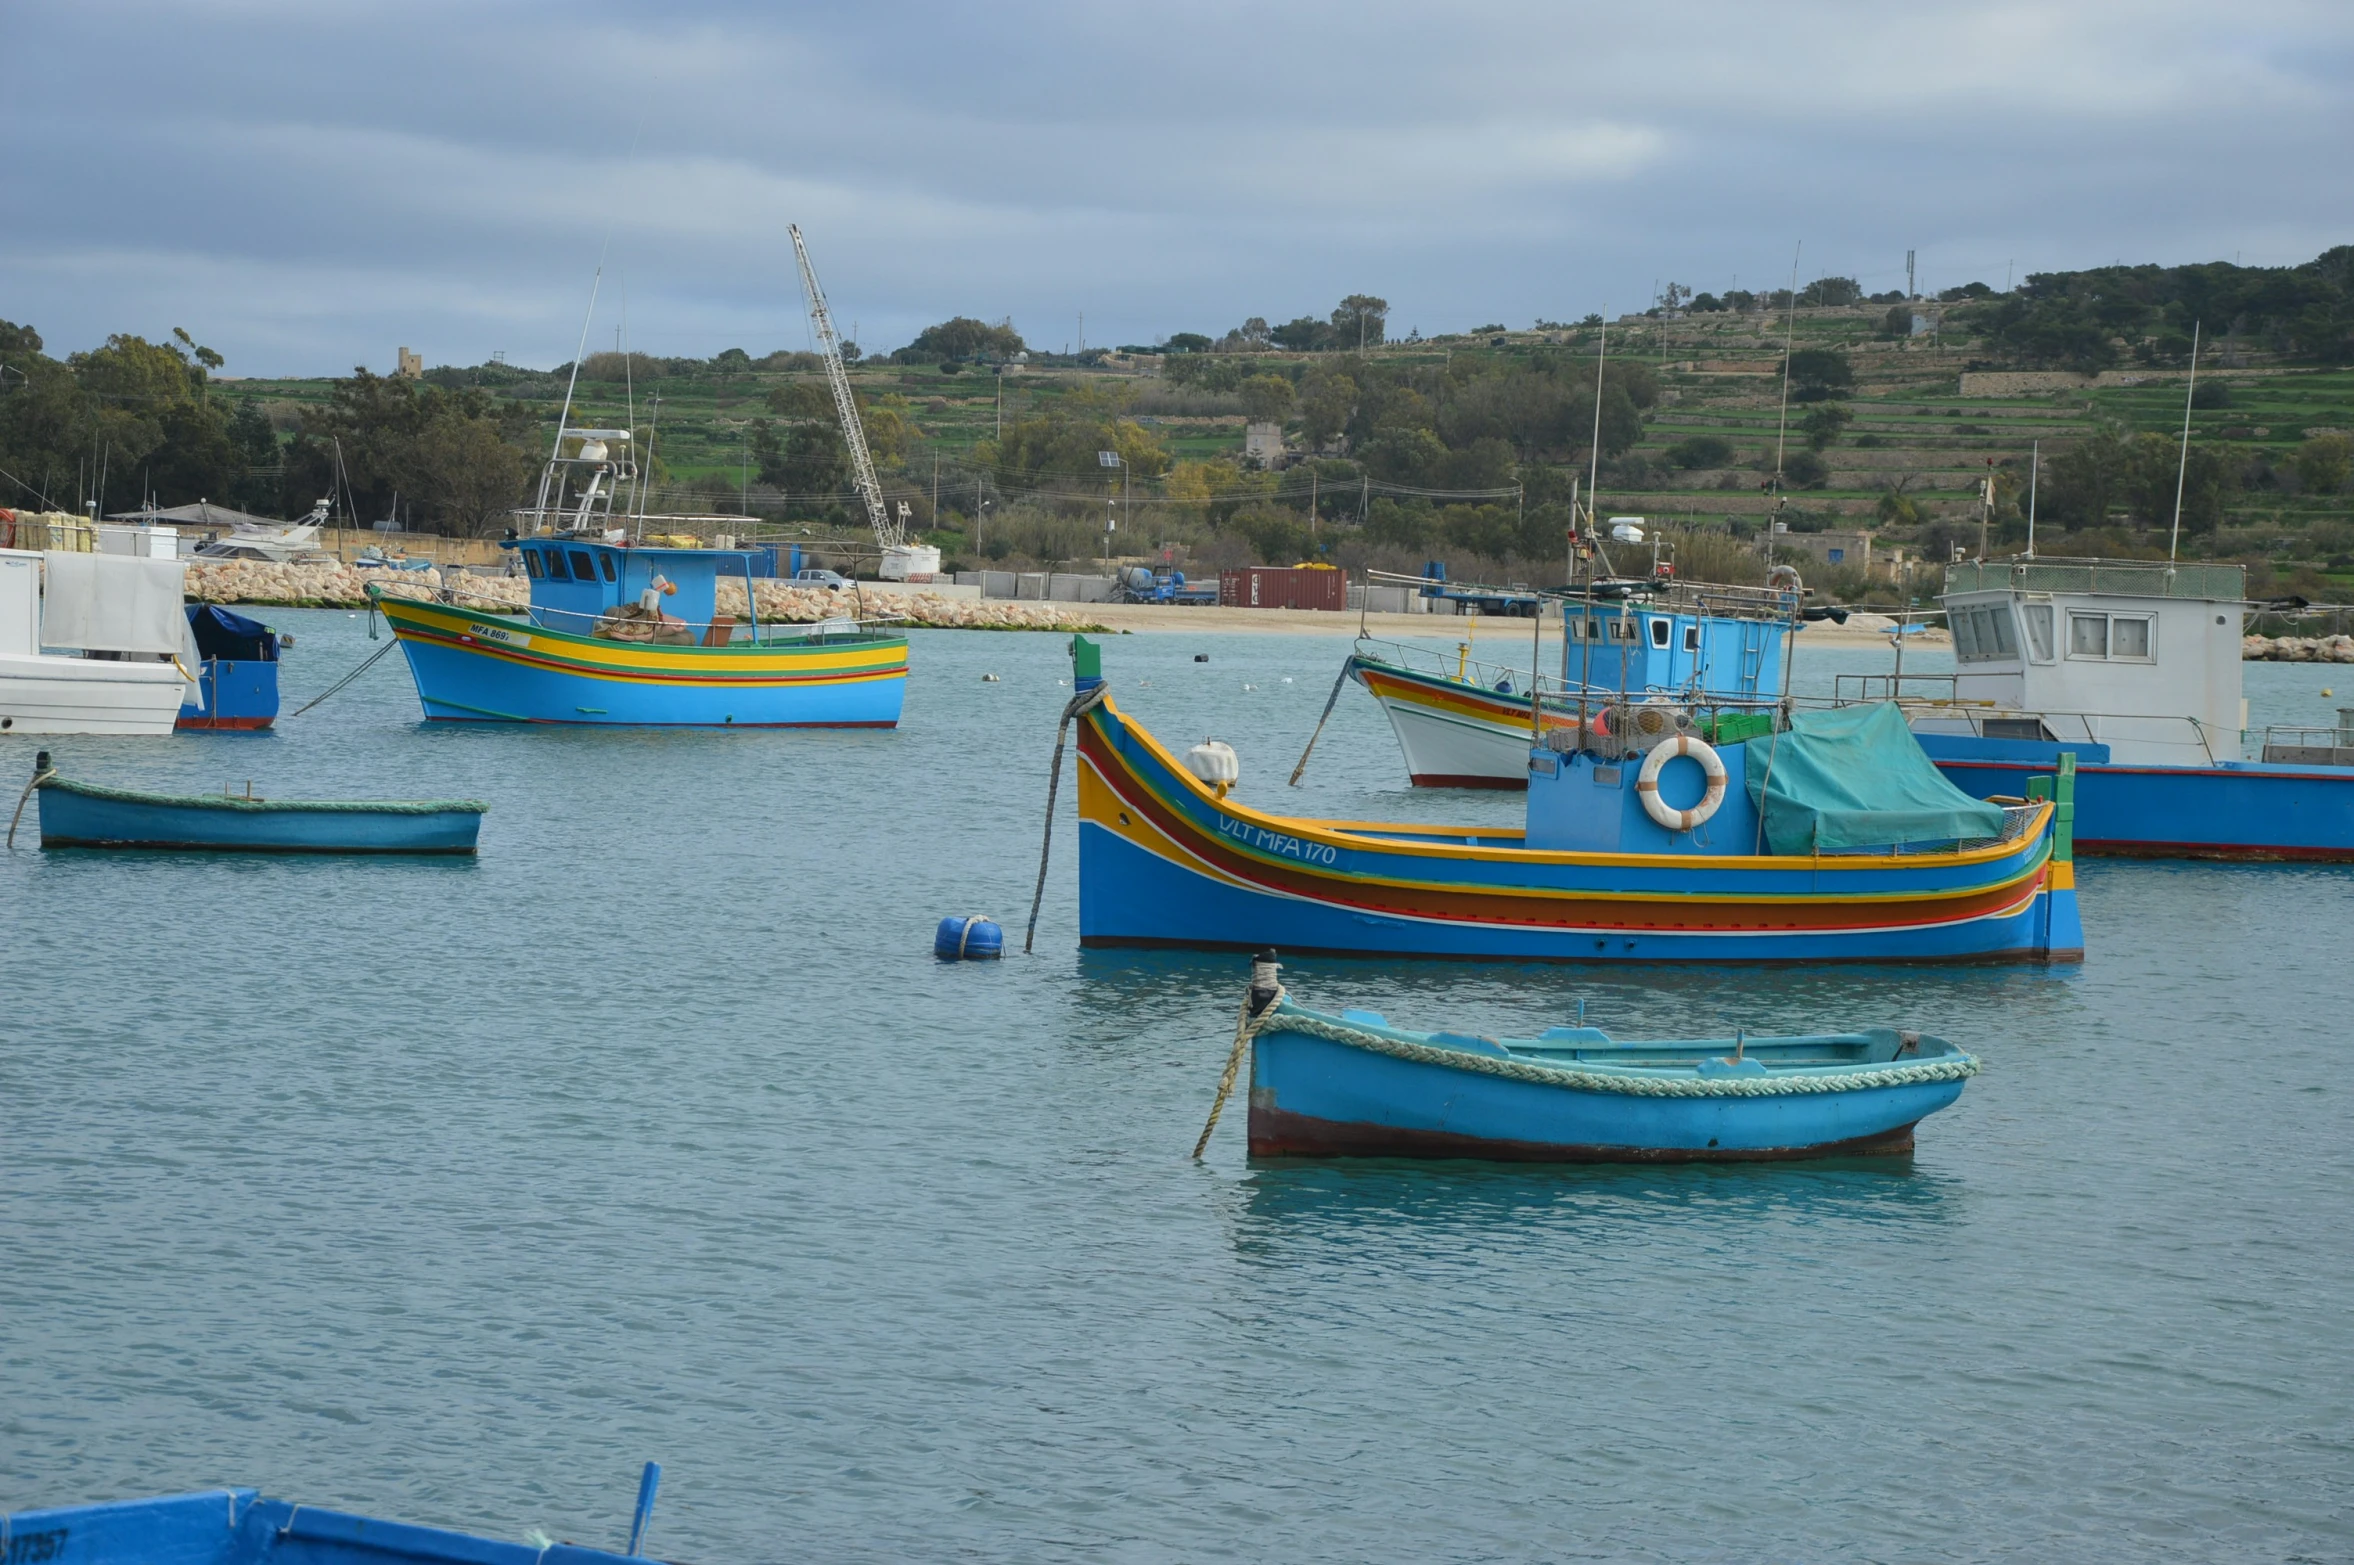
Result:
<point x="1081" y="701"/>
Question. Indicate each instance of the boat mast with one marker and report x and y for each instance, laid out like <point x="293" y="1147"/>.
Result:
<point x="2182" y="463"/>
<point x="539" y="519"/>
<point x="829" y="347"/>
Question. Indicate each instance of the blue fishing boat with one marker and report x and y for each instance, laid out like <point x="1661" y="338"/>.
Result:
<point x="87" y="815"/>
<point x="1352" y="1085"/>
<point x="237" y="671"/>
<point x="1833" y="840"/>
<point x="621" y="634"/>
<point x="2131" y="668"/>
<point x="242" y="1527"/>
<point x="1467" y="724"/>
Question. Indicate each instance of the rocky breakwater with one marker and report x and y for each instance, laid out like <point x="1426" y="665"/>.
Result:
<point x="2297" y="649"/>
<point x="329" y="585"/>
<point x="786" y="604"/>
<point x="334" y="586"/>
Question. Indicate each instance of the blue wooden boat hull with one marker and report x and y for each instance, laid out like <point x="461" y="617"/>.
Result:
<point x="239" y="694"/>
<point x="74" y="818"/>
<point x="2236" y="810"/>
<point x="1315" y="1097"/>
<point x="239" y="1527"/>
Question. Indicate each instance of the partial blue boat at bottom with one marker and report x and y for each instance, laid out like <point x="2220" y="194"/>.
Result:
<point x="1354" y="1086"/>
<point x="240" y="1527"/>
<point x="86" y="815"/>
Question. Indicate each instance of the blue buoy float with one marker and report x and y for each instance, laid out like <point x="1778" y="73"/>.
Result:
<point x="968" y="938"/>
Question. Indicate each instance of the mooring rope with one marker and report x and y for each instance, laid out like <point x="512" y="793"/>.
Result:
<point x="1081" y="701"/>
<point x="1959" y="1067"/>
<point x="1330" y="702"/>
<point x="373" y="658"/>
<point x="1256" y="1015"/>
<point x="41" y="776"/>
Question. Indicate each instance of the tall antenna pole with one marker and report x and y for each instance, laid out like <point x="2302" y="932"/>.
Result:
<point x="1594" y="480"/>
<point x="2182" y="463"/>
<point x="1789" y="336"/>
<point x="2034" y="471"/>
<point x="829" y="347"/>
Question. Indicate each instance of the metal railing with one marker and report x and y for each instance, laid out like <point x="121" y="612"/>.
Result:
<point x="745" y="631"/>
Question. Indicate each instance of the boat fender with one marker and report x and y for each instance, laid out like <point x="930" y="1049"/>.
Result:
<point x="1647" y="782"/>
<point x="1214" y="762"/>
<point x="968" y="938"/>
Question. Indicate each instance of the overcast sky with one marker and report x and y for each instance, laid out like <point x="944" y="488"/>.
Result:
<point x="307" y="186"/>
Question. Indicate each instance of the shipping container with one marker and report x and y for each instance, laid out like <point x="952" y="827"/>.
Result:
<point x="1284" y="587"/>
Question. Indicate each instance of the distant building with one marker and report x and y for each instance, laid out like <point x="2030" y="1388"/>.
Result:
<point x="411" y="367"/>
<point x="1262" y="442"/>
<point x="1844" y="549"/>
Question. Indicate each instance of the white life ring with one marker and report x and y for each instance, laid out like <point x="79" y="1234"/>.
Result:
<point x="1647" y="782"/>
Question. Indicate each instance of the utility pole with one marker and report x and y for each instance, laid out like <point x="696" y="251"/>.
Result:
<point x="1910" y="292"/>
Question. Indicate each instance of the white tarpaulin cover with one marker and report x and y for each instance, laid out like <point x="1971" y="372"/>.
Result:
<point x="112" y="603"/>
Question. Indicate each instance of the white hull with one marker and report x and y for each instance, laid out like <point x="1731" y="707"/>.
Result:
<point x="1449" y="750"/>
<point x="72" y="695"/>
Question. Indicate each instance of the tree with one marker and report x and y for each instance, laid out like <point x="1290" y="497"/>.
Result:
<point x="1823" y="424"/>
<point x="457" y="459"/>
<point x="1306" y="334"/>
<point x="1806" y="470"/>
<point x="2323" y="463"/>
<point x="2080" y="483"/>
<point x="1898" y="322"/>
<point x="1187" y="342"/>
<point x="1327" y="403"/>
<point x="1267" y="398"/>
<point x="1831" y="291"/>
<point x="1359" y="321"/>
<point x="1818" y="374"/>
<point x="1896" y="508"/>
<point x="962" y="337"/>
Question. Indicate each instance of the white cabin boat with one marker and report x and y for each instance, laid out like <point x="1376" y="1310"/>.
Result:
<point x="92" y="643"/>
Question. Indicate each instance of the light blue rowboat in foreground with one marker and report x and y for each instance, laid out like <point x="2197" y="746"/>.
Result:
<point x="1352" y="1085"/>
<point x="86" y="815"/>
<point x="240" y="1527"/>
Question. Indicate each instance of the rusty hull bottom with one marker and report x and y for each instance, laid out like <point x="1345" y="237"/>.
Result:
<point x="1279" y="1133"/>
<point x="2015" y="956"/>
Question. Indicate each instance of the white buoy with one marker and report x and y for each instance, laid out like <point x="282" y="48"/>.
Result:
<point x="1214" y="762"/>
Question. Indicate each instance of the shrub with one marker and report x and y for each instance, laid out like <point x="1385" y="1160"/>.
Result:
<point x="1698" y="451"/>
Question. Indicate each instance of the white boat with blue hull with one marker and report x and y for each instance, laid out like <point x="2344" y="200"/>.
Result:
<point x="2133" y="667"/>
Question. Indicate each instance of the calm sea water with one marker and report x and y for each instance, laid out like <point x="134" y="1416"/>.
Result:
<point x="455" y="1191"/>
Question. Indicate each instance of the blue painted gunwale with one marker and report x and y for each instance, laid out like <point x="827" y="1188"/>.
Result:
<point x="76" y="815"/>
<point x="2256" y="810"/>
<point x="240" y="1527"/>
<point x="1165" y="862"/>
<point x="1318" y="1096"/>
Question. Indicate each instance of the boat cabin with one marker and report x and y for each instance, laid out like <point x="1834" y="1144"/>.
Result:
<point x="575" y="580"/>
<point x="2138" y="656"/>
<point x="1659" y="648"/>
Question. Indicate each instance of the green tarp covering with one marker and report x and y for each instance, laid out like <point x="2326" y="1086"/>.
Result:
<point x="1854" y="777"/>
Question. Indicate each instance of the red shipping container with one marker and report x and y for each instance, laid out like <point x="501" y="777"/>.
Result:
<point x="1284" y="587"/>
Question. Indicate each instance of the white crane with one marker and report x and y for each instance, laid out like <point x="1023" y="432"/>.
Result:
<point x="888" y="532"/>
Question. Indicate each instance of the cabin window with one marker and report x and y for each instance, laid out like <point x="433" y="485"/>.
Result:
<point x="606" y="560"/>
<point x="583" y="568"/>
<point x="1659" y="633"/>
<point x="2088" y="635"/>
<point x="1984" y="633"/>
<point x="1691" y="638"/>
<point x="2129" y="636"/>
<point x="2039" y="631"/>
<point x="556" y="571"/>
<point x="531" y="566"/>
<point x="1623" y="630"/>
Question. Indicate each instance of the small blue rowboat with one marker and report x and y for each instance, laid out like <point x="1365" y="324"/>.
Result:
<point x="1354" y="1086"/>
<point x="241" y="1527"/>
<point x="87" y="815"/>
